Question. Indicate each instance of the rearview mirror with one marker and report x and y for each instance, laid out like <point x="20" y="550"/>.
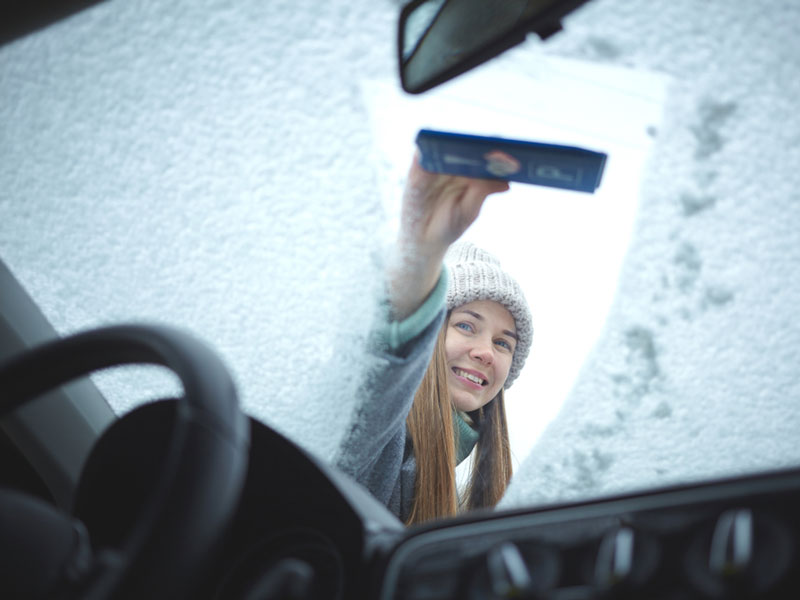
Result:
<point x="20" y="18"/>
<point x="440" y="39"/>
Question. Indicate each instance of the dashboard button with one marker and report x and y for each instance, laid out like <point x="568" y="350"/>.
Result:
<point x="626" y="560"/>
<point x="743" y="552"/>
<point x="508" y="574"/>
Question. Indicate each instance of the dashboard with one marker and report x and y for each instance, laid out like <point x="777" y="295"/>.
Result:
<point x="296" y="511"/>
<point x="729" y="538"/>
<point x="734" y="538"/>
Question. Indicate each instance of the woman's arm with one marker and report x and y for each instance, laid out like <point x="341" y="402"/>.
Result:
<point x="437" y="210"/>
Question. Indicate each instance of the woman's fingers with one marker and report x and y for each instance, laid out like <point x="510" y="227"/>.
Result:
<point x="438" y="208"/>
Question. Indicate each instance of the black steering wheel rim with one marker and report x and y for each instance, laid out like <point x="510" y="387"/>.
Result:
<point x="205" y="467"/>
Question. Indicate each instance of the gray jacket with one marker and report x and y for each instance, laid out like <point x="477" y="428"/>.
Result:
<point x="375" y="451"/>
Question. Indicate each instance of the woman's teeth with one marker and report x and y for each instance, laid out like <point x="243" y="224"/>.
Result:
<point x="470" y="376"/>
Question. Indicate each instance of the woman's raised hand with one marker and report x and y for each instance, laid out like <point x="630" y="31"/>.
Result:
<point x="437" y="210"/>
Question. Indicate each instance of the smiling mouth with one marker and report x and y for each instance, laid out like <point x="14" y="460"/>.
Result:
<point x="473" y="378"/>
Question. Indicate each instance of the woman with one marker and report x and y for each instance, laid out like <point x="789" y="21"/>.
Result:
<point x="456" y="337"/>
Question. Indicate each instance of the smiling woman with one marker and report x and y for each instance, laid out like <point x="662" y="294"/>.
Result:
<point x="480" y="351"/>
<point x="438" y="393"/>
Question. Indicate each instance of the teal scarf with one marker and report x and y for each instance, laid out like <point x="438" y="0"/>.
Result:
<point x="466" y="437"/>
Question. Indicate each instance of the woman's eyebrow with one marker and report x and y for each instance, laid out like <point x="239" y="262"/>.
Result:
<point x="471" y="312"/>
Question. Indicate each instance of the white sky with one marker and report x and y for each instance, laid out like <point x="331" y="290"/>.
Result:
<point x="565" y="248"/>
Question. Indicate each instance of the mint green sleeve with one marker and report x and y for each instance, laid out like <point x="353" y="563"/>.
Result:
<point x="398" y="333"/>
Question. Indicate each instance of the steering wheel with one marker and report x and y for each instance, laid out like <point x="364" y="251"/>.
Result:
<point x="48" y="553"/>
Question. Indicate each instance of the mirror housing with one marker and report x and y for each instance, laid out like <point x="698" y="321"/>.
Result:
<point x="21" y="17"/>
<point x="438" y="40"/>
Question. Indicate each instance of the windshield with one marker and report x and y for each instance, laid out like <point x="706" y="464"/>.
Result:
<point x="236" y="171"/>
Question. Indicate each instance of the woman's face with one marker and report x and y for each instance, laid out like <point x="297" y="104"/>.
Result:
<point x="479" y="345"/>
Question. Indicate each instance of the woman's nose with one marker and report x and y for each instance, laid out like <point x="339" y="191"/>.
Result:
<point x="482" y="351"/>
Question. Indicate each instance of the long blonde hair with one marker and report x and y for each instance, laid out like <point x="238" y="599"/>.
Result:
<point x="430" y="426"/>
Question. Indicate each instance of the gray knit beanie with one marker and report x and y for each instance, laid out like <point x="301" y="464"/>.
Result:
<point x="476" y="275"/>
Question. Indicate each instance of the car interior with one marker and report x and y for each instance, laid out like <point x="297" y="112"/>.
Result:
<point x="216" y="504"/>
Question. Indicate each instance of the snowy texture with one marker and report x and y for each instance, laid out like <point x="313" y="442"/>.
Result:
<point x="198" y="163"/>
<point x="696" y="374"/>
<point x="210" y="165"/>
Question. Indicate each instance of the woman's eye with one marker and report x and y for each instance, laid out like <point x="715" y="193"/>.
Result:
<point x="504" y="344"/>
<point x="464" y="326"/>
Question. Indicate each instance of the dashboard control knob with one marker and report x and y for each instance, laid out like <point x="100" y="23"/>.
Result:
<point x="509" y="576"/>
<point x="731" y="551"/>
<point x="743" y="552"/>
<point x="615" y="558"/>
<point x="626" y="559"/>
<point x="522" y="569"/>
